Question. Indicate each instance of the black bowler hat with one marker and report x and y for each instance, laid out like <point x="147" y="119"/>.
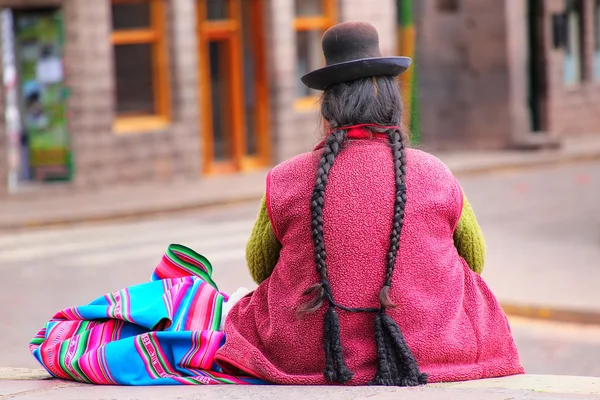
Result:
<point x="352" y="52"/>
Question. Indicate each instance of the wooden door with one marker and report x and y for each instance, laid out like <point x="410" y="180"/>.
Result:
<point x="233" y="85"/>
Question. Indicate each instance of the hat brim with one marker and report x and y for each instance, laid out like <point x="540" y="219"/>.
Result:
<point x="348" y="71"/>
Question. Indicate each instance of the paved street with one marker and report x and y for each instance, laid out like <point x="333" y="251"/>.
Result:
<point x="542" y="227"/>
<point x="543" y="233"/>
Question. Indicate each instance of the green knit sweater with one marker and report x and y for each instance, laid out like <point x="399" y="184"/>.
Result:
<point x="262" y="250"/>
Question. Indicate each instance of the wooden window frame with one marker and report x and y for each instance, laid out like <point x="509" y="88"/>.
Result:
<point x="308" y="23"/>
<point x="154" y="35"/>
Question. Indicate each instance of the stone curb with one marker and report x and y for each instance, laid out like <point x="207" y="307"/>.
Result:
<point x="23" y="374"/>
<point x="124" y="215"/>
<point x="530" y="387"/>
<point x="536" y="161"/>
<point x="553" y="314"/>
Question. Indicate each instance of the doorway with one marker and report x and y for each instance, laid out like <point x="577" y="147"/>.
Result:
<point x="538" y="80"/>
<point x="233" y="85"/>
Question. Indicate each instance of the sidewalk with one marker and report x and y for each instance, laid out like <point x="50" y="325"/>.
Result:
<point x="64" y="206"/>
<point x="68" y="206"/>
<point x="27" y="384"/>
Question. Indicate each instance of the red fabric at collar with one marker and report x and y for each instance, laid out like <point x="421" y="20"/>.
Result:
<point x="357" y="133"/>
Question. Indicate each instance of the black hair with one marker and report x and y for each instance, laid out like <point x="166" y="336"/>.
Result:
<point x="375" y="101"/>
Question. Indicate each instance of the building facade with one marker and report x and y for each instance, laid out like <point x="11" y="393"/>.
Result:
<point x="510" y="73"/>
<point x="165" y="89"/>
<point x="118" y="92"/>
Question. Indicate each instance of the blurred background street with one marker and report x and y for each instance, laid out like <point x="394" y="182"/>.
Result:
<point x="127" y="125"/>
<point x="538" y="253"/>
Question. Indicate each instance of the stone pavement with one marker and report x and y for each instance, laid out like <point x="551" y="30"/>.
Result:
<point x="65" y="205"/>
<point x="541" y="228"/>
<point x="30" y="385"/>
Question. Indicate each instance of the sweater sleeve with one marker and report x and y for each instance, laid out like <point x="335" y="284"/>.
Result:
<point x="262" y="249"/>
<point x="469" y="240"/>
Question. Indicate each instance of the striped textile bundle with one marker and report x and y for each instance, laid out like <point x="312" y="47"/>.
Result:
<point x="164" y="332"/>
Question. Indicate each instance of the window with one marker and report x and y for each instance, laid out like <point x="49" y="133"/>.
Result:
<point x="312" y="19"/>
<point x="574" y="50"/>
<point x="142" y="98"/>
<point x="597" y="40"/>
<point x="447" y="6"/>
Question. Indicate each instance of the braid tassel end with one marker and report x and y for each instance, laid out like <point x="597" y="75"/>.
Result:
<point x="397" y="365"/>
<point x="336" y="370"/>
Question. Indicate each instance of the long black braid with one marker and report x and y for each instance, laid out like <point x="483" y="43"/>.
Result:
<point x="397" y="145"/>
<point x="373" y="101"/>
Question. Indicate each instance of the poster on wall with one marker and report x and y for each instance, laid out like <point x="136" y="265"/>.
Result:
<point x="39" y="54"/>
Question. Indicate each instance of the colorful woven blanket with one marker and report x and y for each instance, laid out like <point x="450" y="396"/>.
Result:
<point x="165" y="332"/>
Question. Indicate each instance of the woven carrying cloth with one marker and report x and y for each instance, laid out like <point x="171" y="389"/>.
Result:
<point x="164" y="332"/>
